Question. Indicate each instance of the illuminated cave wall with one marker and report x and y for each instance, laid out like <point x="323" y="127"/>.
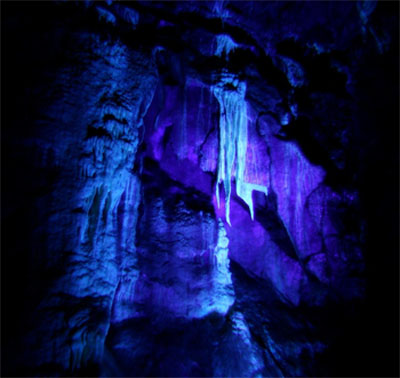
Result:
<point x="199" y="188"/>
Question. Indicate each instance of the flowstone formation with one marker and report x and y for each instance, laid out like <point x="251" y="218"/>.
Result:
<point x="199" y="189"/>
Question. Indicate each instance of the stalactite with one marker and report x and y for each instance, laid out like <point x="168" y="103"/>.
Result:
<point x="224" y="45"/>
<point x="233" y="139"/>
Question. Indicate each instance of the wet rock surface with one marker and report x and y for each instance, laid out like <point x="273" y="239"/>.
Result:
<point x="200" y="189"/>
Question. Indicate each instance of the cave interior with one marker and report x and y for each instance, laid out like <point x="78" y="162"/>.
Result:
<point x="200" y="188"/>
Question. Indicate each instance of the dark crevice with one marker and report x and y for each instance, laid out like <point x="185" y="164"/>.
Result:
<point x="99" y="132"/>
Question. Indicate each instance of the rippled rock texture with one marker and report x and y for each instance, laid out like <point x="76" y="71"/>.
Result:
<point x="200" y="189"/>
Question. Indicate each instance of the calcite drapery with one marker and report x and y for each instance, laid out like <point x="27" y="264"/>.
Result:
<point x="233" y="136"/>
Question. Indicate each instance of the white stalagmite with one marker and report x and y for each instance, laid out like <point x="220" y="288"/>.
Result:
<point x="220" y="295"/>
<point x="233" y="138"/>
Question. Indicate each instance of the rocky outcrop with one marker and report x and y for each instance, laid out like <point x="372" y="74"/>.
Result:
<point x="87" y="133"/>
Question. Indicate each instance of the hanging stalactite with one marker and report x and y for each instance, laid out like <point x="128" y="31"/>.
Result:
<point x="233" y="139"/>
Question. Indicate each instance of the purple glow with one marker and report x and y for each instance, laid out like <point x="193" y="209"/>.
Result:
<point x="190" y="155"/>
